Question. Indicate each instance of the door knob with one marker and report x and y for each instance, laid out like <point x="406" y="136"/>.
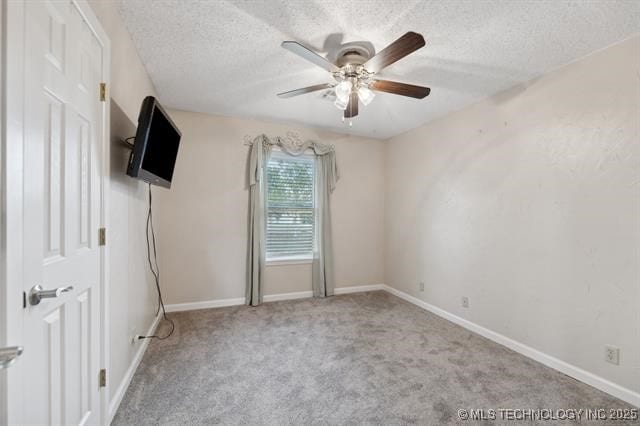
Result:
<point x="37" y="293"/>
<point x="8" y="355"/>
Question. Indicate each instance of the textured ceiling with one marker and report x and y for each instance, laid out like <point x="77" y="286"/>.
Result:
<point x="224" y="57"/>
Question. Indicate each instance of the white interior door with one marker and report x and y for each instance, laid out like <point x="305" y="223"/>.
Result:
<point x="63" y="133"/>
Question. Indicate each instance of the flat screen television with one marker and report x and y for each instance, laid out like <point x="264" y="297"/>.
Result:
<point x="156" y="144"/>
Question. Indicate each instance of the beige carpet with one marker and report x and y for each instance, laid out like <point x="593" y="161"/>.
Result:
<point x="367" y="358"/>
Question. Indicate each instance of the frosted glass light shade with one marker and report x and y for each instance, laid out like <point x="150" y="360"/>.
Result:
<point x="365" y="95"/>
<point x="341" y="103"/>
<point x="343" y="90"/>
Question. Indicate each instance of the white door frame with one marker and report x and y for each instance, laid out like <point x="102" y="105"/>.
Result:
<point x="11" y="202"/>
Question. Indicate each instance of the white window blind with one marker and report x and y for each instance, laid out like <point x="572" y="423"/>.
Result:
<point x="290" y="206"/>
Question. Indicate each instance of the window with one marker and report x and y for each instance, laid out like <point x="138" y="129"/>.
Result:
<point x="290" y="207"/>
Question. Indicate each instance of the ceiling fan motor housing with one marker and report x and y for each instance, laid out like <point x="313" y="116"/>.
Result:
<point x="352" y="53"/>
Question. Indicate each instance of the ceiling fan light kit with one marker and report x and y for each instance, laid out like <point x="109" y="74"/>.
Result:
<point x="353" y="73"/>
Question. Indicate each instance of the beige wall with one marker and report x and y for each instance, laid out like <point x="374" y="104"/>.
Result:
<point x="131" y="288"/>
<point x="529" y="204"/>
<point x="204" y="214"/>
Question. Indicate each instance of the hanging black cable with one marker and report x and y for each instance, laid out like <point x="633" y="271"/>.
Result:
<point x="155" y="271"/>
<point x="126" y="141"/>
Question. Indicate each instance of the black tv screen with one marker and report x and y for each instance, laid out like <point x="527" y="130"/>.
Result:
<point x="155" y="149"/>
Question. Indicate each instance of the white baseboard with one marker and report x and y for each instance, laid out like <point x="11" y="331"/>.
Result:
<point x="287" y="296"/>
<point x="207" y="304"/>
<point x="126" y="380"/>
<point x="358" y="289"/>
<point x="219" y="303"/>
<point x="577" y="373"/>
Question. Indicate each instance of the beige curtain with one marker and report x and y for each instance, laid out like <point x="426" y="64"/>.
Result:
<point x="258" y="157"/>
<point x="326" y="176"/>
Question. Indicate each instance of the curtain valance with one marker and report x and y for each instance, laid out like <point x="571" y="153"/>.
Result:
<point x="293" y="146"/>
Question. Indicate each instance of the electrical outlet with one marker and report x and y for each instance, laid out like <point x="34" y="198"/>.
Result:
<point x="421" y="286"/>
<point x="612" y="354"/>
<point x="465" y="302"/>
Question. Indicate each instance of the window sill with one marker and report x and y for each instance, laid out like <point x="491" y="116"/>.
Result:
<point x="281" y="261"/>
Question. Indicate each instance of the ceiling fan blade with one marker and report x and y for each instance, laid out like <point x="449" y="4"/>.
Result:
<point x="401" y="89"/>
<point x="302" y="91"/>
<point x="408" y="43"/>
<point x="352" y="106"/>
<point x="309" y="55"/>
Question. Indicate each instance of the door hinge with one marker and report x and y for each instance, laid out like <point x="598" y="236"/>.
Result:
<point x="24" y="300"/>
<point x="103" y="378"/>
<point x="103" y="92"/>
<point x="102" y="236"/>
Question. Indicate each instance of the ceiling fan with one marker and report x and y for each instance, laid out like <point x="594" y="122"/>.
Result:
<point x="354" y="72"/>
